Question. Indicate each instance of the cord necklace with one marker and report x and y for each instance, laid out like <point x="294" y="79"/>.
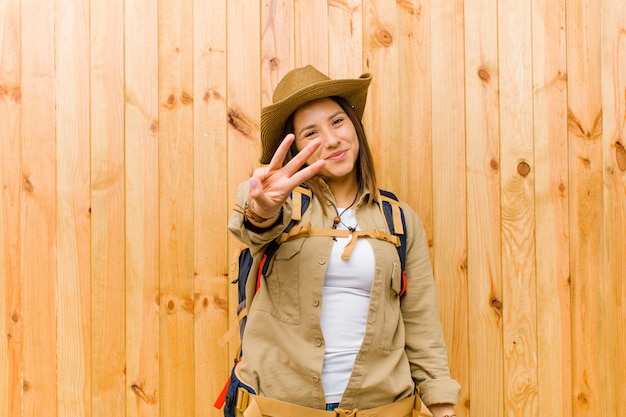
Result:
<point x="338" y="219"/>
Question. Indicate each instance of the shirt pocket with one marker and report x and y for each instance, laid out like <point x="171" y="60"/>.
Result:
<point x="393" y="331"/>
<point x="283" y="282"/>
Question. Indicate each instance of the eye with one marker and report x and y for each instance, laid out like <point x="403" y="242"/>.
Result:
<point x="337" y="121"/>
<point x="310" y="134"/>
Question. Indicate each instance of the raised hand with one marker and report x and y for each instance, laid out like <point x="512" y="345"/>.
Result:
<point x="270" y="185"/>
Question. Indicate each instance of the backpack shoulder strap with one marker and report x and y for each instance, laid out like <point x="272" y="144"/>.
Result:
<point x="390" y="205"/>
<point x="300" y="197"/>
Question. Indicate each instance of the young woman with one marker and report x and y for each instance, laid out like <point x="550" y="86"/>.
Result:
<point x="328" y="331"/>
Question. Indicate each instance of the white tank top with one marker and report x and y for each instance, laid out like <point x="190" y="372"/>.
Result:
<point x="345" y="303"/>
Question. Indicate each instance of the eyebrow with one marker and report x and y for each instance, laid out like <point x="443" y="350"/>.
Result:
<point x="331" y="117"/>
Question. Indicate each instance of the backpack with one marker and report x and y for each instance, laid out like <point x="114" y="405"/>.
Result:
<point x="301" y="197"/>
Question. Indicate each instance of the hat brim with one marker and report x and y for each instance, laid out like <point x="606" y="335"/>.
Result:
<point x="274" y="116"/>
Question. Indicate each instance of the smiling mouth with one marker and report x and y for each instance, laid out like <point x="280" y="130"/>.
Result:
<point x="336" y="155"/>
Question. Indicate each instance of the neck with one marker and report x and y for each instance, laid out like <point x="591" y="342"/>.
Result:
<point x="345" y="193"/>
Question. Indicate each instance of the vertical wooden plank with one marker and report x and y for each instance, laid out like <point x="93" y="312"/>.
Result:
<point x="382" y="115"/>
<point x="613" y="271"/>
<point x="38" y="211"/>
<point x="449" y="183"/>
<point x="585" y="179"/>
<point x="486" y="383"/>
<point x="551" y="208"/>
<point x="518" y="222"/>
<point x="142" y="208"/>
<point x="345" y="38"/>
<point x="72" y="53"/>
<point x="212" y="363"/>
<point x="414" y="57"/>
<point x="10" y="192"/>
<point x="107" y="209"/>
<point x="311" y="31"/>
<point x="244" y="114"/>
<point x="277" y="45"/>
<point x="176" y="218"/>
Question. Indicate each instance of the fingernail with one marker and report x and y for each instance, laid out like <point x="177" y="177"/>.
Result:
<point x="253" y="182"/>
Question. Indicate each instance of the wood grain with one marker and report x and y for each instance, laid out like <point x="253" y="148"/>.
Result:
<point x="107" y="207"/>
<point x="10" y="209"/>
<point x="586" y="204"/>
<point x="311" y="34"/>
<point x="211" y="360"/>
<point x="244" y="114"/>
<point x="485" y="301"/>
<point x="382" y="116"/>
<point x="554" y="393"/>
<point x="38" y="213"/>
<point x="141" y="198"/>
<point x="277" y="45"/>
<point x="345" y="38"/>
<point x="126" y="127"/>
<point x="73" y="234"/>
<point x="449" y="184"/>
<point x="612" y="271"/>
<point x="415" y="184"/>
<point x="517" y="209"/>
<point x="176" y="217"/>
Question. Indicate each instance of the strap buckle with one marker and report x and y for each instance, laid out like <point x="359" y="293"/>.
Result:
<point x="342" y="412"/>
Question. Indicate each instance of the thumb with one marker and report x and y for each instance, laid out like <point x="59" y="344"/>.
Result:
<point x="255" y="187"/>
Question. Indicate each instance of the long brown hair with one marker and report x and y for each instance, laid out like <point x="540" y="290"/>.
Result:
<point x="365" y="172"/>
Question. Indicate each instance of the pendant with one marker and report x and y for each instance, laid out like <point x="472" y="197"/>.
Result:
<point x="336" y="221"/>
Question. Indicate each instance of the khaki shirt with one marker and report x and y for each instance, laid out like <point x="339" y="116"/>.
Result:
<point x="283" y="345"/>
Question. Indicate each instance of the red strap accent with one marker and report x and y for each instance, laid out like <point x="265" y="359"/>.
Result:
<point x="259" y="274"/>
<point x="404" y="283"/>
<point x="219" y="403"/>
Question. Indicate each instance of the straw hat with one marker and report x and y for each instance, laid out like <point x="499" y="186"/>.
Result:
<point x="298" y="87"/>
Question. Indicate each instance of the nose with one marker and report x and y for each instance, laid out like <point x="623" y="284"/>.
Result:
<point x="329" y="138"/>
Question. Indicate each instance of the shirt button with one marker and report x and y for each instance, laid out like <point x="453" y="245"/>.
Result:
<point x="322" y="261"/>
<point x="318" y="343"/>
<point x="316" y="378"/>
<point x="316" y="303"/>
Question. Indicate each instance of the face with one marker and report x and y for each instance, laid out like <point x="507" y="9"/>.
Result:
<point x="326" y="120"/>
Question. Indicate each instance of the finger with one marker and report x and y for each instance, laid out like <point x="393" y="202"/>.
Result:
<point x="281" y="152"/>
<point x="302" y="156"/>
<point x="256" y="182"/>
<point x="306" y="173"/>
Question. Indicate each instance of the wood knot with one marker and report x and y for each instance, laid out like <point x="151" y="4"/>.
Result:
<point x="186" y="99"/>
<point x="221" y="303"/>
<point x="154" y="127"/>
<point x="140" y="393"/>
<point x="274" y="62"/>
<point x="15" y="317"/>
<point x="523" y="169"/>
<point x="484" y="75"/>
<point x="496" y="305"/>
<point x="28" y="186"/>
<point x="384" y="37"/>
<point x="620" y="156"/>
<point x="170" y="306"/>
<point x="171" y="101"/>
<point x="236" y="120"/>
<point x="13" y="93"/>
<point x="494" y="165"/>
<point x="211" y="94"/>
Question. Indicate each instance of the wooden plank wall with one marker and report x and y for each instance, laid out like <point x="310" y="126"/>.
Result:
<point x="126" y="125"/>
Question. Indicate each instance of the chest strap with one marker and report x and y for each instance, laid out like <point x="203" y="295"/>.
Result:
<point x="304" y="230"/>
